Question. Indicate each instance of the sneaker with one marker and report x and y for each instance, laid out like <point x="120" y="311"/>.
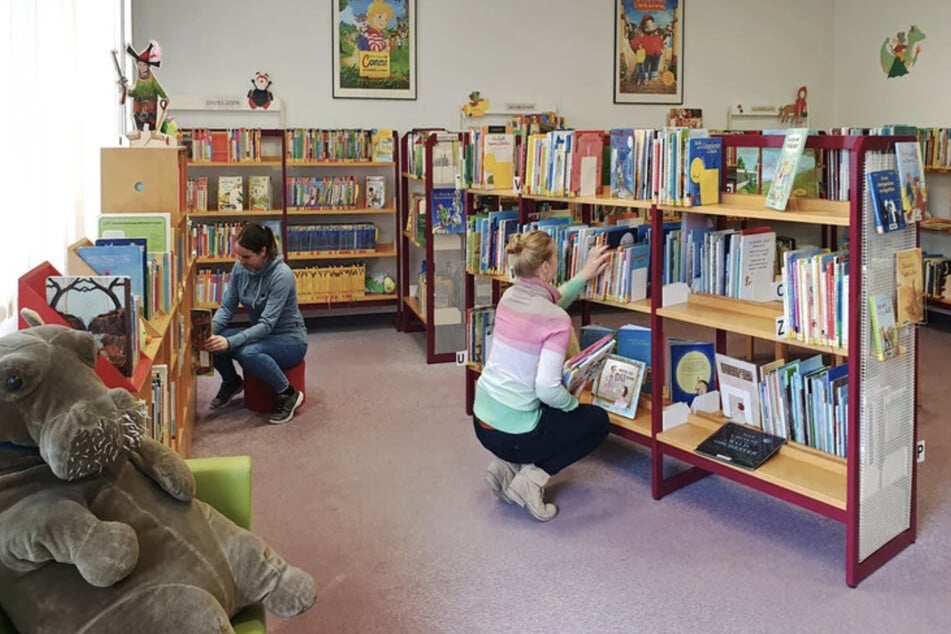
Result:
<point x="527" y="489"/>
<point x="499" y="475"/>
<point x="286" y="406"/>
<point x="225" y="392"/>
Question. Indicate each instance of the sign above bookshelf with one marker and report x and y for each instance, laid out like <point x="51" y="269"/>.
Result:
<point x="231" y="109"/>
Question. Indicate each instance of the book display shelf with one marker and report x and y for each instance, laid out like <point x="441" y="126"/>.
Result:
<point x="331" y="206"/>
<point x="143" y="181"/>
<point x="872" y="490"/>
<point x="432" y="255"/>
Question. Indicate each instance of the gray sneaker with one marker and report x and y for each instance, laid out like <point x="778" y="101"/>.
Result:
<point x="226" y="392"/>
<point x="286" y="406"/>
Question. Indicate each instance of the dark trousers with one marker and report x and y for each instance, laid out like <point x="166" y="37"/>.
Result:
<point x="560" y="438"/>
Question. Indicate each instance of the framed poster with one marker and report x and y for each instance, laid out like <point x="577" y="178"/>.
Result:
<point x="648" y="51"/>
<point x="374" y="49"/>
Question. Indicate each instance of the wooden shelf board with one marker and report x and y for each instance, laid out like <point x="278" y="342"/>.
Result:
<point x="361" y="211"/>
<point x="301" y="163"/>
<point x="802" y="210"/>
<point x="937" y="301"/>
<point x="234" y="214"/>
<point x="215" y="259"/>
<point x="938" y="227"/>
<point x="385" y="250"/>
<point x="640" y="306"/>
<point x="413" y="304"/>
<point x="503" y="193"/>
<point x="267" y="161"/>
<point x="498" y="277"/>
<point x="343" y="298"/>
<point x="938" y="169"/>
<point x="805" y="471"/>
<point x="753" y="319"/>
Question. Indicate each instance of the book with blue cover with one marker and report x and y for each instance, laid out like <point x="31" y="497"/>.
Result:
<point x="634" y="342"/>
<point x="690" y="369"/>
<point x="622" y="163"/>
<point x="883" y="188"/>
<point x="914" y="193"/>
<point x="127" y="260"/>
<point x="704" y="160"/>
<point x="448" y="215"/>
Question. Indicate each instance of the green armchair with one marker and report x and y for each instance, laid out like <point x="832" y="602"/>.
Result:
<point x="224" y="483"/>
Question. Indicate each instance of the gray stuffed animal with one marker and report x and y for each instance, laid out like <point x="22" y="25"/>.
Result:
<point x="98" y="528"/>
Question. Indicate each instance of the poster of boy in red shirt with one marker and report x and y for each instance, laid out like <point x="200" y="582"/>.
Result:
<point x="649" y="41"/>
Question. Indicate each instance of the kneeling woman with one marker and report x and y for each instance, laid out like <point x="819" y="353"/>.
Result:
<point x="523" y="413"/>
<point x="277" y="337"/>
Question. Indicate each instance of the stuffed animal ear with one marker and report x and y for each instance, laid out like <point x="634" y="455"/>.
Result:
<point x="80" y="342"/>
<point x="31" y="317"/>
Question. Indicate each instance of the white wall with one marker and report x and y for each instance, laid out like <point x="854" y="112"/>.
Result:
<point x="547" y="51"/>
<point x="865" y="95"/>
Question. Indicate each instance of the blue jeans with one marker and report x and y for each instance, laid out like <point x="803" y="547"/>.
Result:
<point x="264" y="359"/>
<point x="559" y="439"/>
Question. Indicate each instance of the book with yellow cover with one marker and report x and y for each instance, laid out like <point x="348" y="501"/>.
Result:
<point x="910" y="287"/>
<point x="498" y="160"/>
<point x="381" y="145"/>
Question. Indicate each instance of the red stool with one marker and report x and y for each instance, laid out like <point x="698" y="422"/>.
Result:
<point x="260" y="397"/>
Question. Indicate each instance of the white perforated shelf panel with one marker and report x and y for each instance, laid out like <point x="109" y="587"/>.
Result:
<point x="887" y="392"/>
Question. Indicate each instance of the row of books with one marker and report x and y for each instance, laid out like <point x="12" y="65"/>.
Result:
<point x="816" y="296"/>
<point x="335" y="192"/>
<point x="318" y="238"/>
<point x="210" y="285"/>
<point x="230" y="195"/>
<point x="480" y="321"/>
<point x="330" y="283"/>
<point x="303" y="145"/>
<point x="231" y="145"/>
<point x="216" y="239"/>
<point x="164" y="426"/>
<point x="447" y="156"/>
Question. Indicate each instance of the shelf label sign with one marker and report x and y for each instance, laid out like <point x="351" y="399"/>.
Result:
<point x="920" y="451"/>
<point x="781" y="326"/>
<point x="462" y="356"/>
<point x="777" y="291"/>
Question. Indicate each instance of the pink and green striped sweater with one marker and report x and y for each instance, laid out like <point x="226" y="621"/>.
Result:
<point x="529" y="342"/>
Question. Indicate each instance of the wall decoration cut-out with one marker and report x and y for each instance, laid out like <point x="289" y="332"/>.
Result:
<point x="900" y="52"/>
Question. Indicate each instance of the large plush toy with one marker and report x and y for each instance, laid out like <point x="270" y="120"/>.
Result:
<point x="98" y="528"/>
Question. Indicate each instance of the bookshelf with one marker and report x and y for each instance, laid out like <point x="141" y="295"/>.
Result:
<point x="432" y="300"/>
<point x="142" y="180"/>
<point x="317" y="179"/>
<point x="872" y="491"/>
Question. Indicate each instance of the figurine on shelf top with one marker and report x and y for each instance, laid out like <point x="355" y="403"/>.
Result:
<point x="149" y="100"/>
<point x="260" y="96"/>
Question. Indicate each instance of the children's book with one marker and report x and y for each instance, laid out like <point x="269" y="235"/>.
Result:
<point x="590" y="333"/>
<point x="914" y="194"/>
<point x="498" y="161"/>
<point x="201" y="330"/>
<point x="618" y="385"/>
<point x="739" y="390"/>
<point x="381" y="145"/>
<point x="909" y="287"/>
<point x="741" y="446"/>
<point x="886" y="200"/>
<point x="230" y="193"/>
<point x="691" y="369"/>
<point x="585" y="366"/>
<point x="104" y="306"/>
<point x="448" y="215"/>
<point x="586" y="158"/>
<point x="747" y="170"/>
<point x="634" y="342"/>
<point x="884" y="329"/>
<point x="259" y="193"/>
<point x="704" y="158"/>
<point x="125" y="260"/>
<point x="376" y="192"/>
<point x="156" y="228"/>
<point x="622" y="163"/>
<point x="786" y="168"/>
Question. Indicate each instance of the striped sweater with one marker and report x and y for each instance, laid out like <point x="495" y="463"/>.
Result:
<point x="529" y="341"/>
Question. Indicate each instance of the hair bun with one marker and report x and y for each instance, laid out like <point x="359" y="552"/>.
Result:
<point x="516" y="244"/>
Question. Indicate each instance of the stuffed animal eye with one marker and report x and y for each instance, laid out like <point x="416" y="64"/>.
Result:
<point x="13" y="383"/>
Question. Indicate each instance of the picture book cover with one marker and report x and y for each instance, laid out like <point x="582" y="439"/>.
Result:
<point x="622" y="163"/>
<point x="884" y="329"/>
<point x="584" y="367"/>
<point x="909" y="287"/>
<point x="704" y="157"/>
<point x="747" y="170"/>
<point x="634" y="342"/>
<point x="376" y="192"/>
<point x="886" y="200"/>
<point x="230" y="193"/>
<point x="259" y="193"/>
<point x="154" y="227"/>
<point x="618" y="385"/>
<point x="786" y="168"/>
<point x="586" y="158"/>
<point x="914" y="193"/>
<point x="691" y="369"/>
<point x="448" y="215"/>
<point x="201" y="329"/>
<point x="382" y="145"/>
<point x="590" y="333"/>
<point x="741" y="446"/>
<point x="739" y="390"/>
<point x="102" y="305"/>
<point x="499" y="161"/>
<point x="123" y="260"/>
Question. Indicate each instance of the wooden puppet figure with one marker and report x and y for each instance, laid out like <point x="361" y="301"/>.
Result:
<point x="149" y="100"/>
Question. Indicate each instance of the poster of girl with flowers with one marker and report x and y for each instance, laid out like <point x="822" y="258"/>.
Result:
<point x="374" y="49"/>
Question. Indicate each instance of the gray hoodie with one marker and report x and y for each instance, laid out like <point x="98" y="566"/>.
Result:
<point x="270" y="298"/>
